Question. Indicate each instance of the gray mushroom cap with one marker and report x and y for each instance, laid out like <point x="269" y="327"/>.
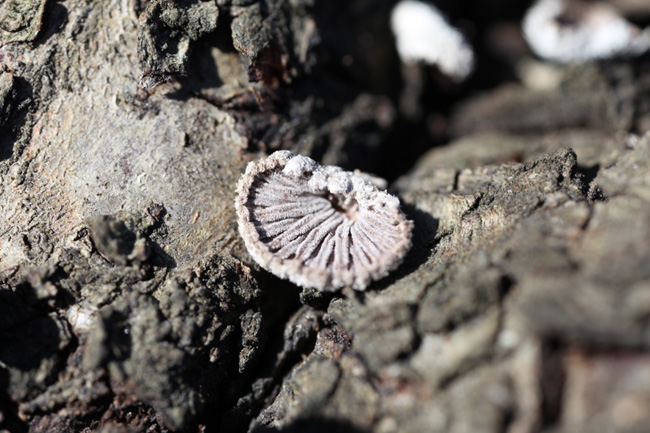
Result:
<point x="319" y="226"/>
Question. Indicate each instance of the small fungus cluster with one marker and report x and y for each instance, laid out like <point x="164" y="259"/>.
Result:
<point x="319" y="226"/>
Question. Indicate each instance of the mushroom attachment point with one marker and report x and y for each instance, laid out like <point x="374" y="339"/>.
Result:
<point x="319" y="226"/>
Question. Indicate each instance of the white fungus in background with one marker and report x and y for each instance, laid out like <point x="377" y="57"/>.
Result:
<point x="424" y="35"/>
<point x="570" y="31"/>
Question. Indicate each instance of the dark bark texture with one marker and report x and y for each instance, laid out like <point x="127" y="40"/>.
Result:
<point x="128" y="302"/>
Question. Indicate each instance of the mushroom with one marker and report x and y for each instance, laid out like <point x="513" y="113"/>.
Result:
<point x="319" y="226"/>
<point x="423" y="34"/>
<point x="574" y="31"/>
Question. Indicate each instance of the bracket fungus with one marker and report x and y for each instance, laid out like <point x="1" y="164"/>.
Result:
<point x="576" y="31"/>
<point x="319" y="226"/>
<point x="423" y="34"/>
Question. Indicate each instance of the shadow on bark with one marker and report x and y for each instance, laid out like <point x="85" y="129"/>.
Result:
<point x="24" y="347"/>
<point x="55" y="17"/>
<point x="202" y="72"/>
<point x="32" y="347"/>
<point x="13" y="115"/>
<point x="313" y="425"/>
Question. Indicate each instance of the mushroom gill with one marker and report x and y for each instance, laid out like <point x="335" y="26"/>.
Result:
<point x="319" y="227"/>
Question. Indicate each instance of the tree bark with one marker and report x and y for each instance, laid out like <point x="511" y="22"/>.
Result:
<point x="128" y="301"/>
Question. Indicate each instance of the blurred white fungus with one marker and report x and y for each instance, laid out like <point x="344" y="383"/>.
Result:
<point x="424" y="35"/>
<point x="574" y="31"/>
<point x="319" y="226"/>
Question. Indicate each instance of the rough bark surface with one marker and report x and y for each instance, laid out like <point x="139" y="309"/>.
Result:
<point x="129" y="303"/>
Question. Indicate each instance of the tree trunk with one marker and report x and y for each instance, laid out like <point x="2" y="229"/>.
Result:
<point x="128" y="301"/>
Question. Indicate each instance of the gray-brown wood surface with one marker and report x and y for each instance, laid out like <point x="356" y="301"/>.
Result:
<point x="128" y="301"/>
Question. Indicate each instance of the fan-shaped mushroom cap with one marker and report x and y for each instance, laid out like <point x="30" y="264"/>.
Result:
<point x="574" y="31"/>
<point x="319" y="227"/>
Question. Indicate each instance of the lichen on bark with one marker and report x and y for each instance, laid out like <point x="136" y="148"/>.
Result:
<point x="21" y="20"/>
